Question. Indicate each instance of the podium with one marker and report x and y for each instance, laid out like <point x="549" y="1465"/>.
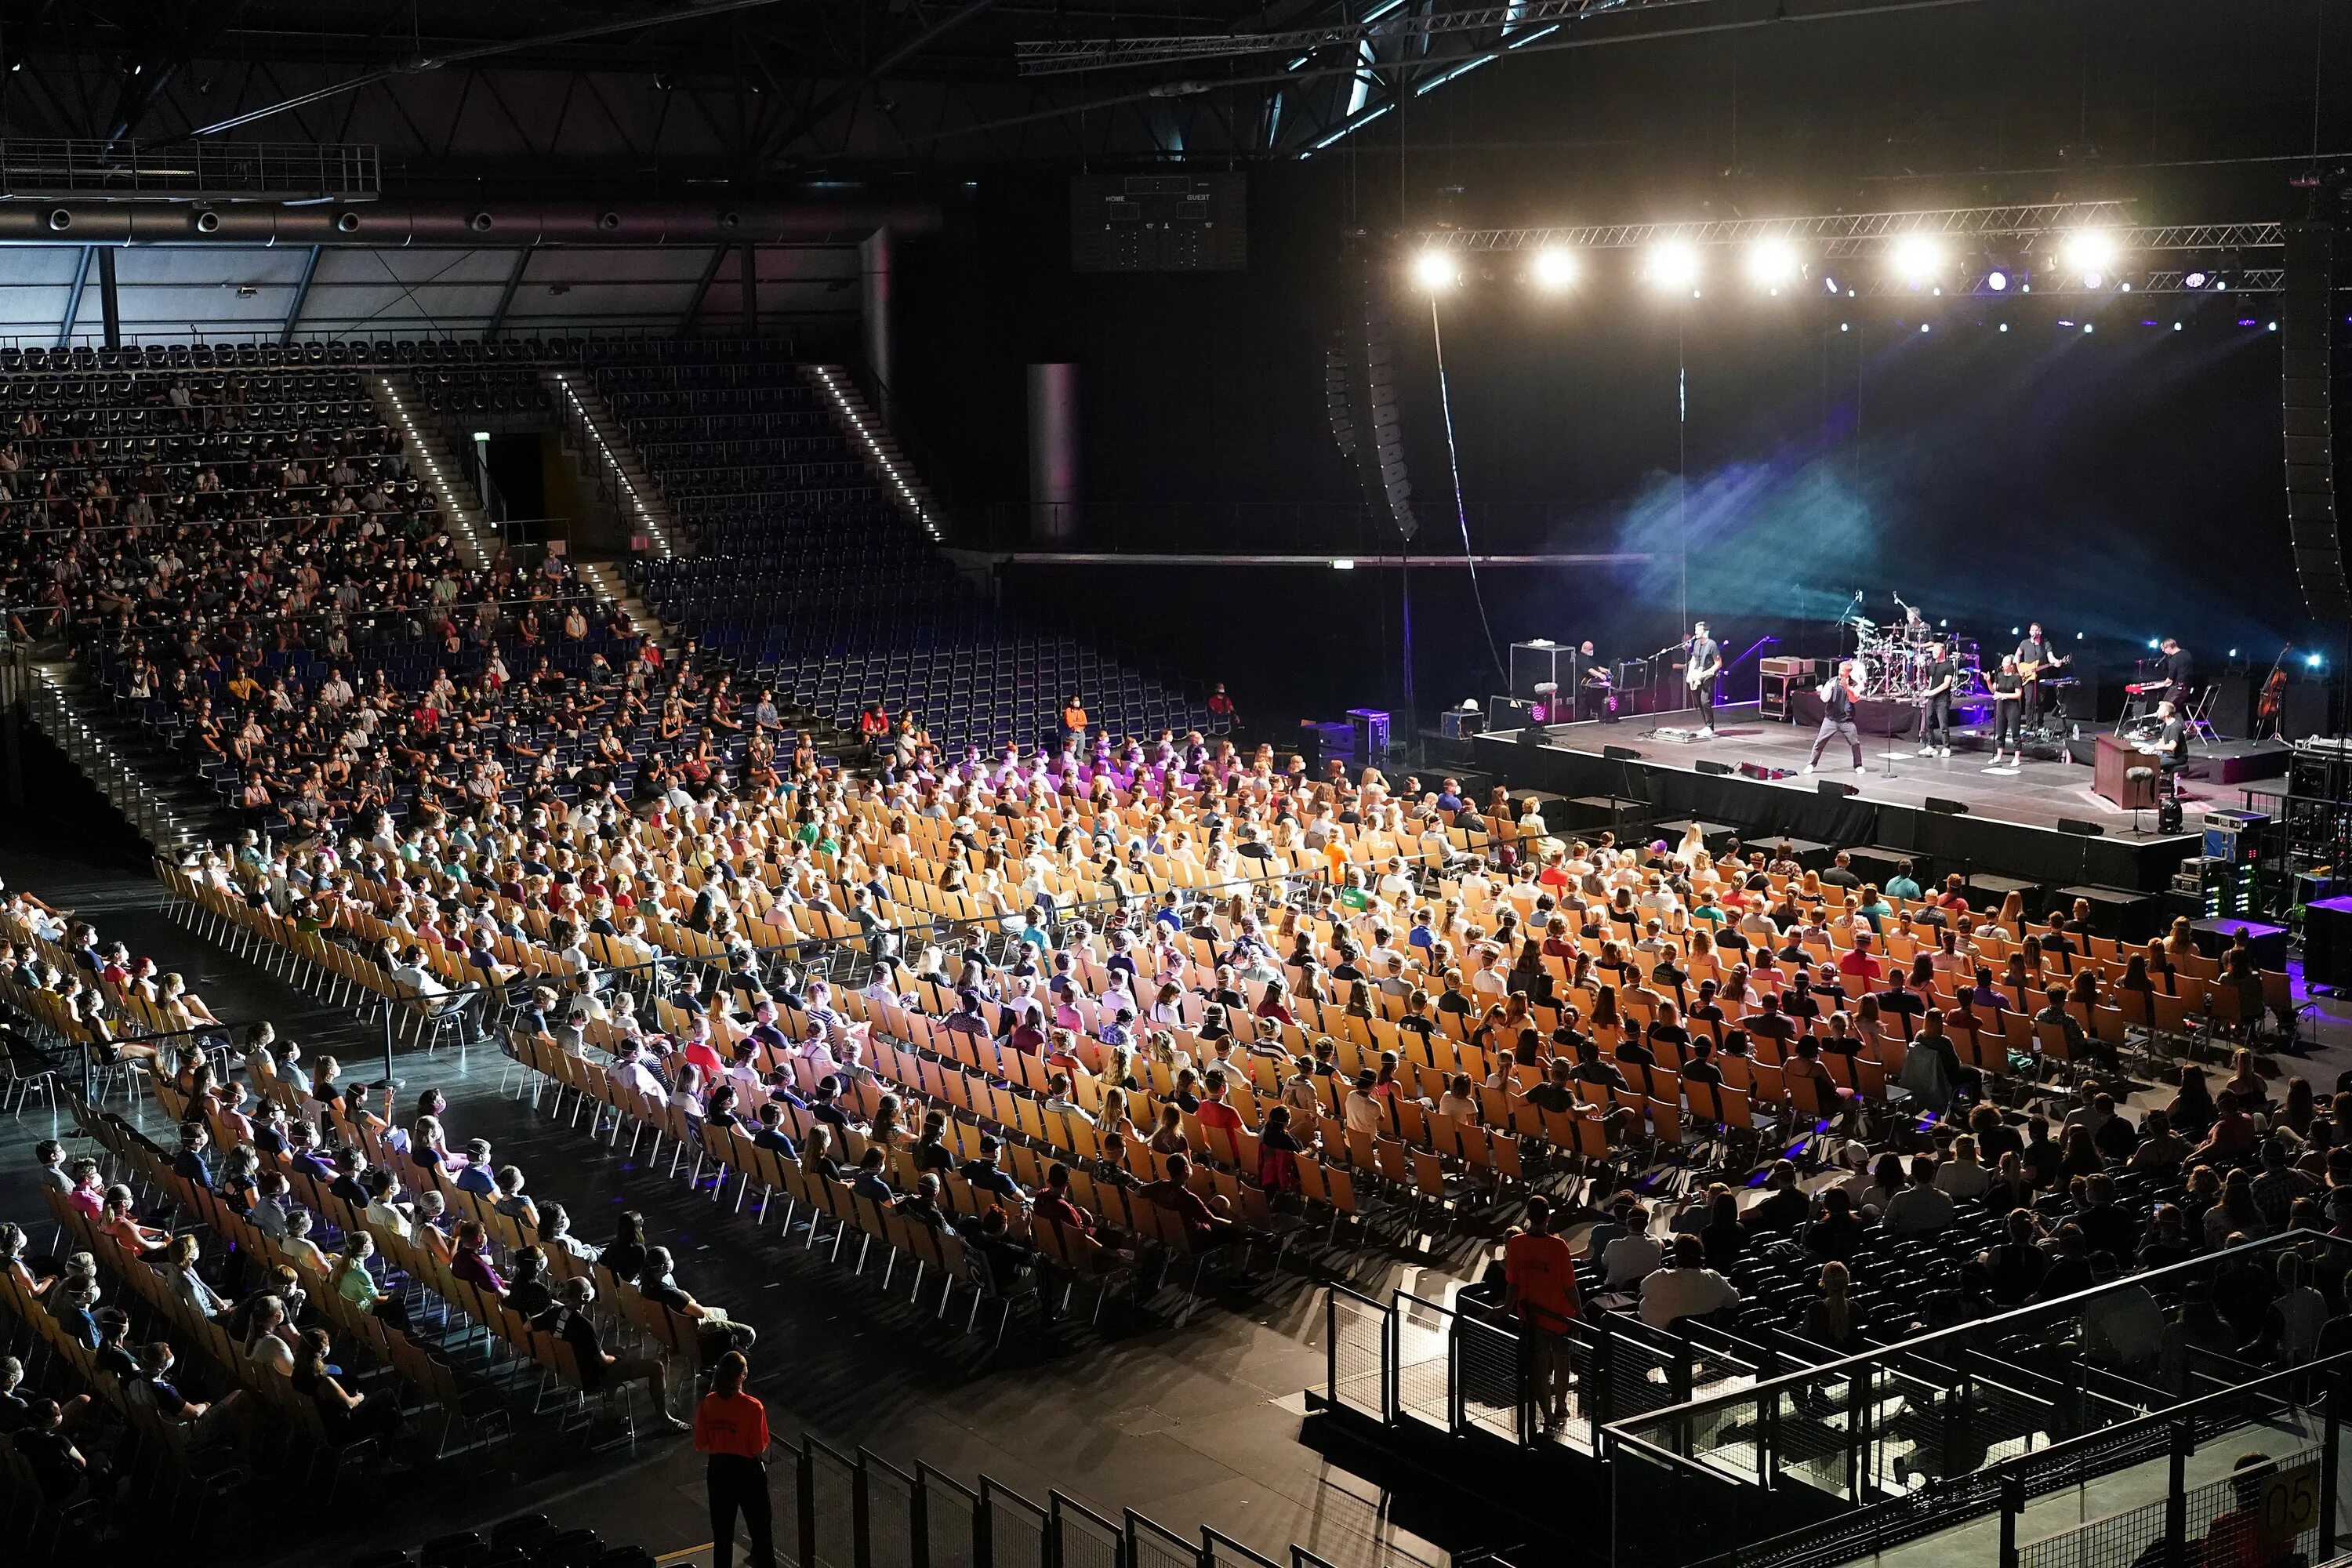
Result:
<point x="2112" y="761"/>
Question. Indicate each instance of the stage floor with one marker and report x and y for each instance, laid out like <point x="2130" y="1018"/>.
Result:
<point x="2036" y="795"/>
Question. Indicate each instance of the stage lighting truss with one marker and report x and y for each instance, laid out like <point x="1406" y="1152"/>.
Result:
<point x="2070" y="250"/>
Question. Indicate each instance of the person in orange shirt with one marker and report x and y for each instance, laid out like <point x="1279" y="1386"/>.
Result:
<point x="1539" y="1276"/>
<point x="731" y="1427"/>
<point x="1074" y="719"/>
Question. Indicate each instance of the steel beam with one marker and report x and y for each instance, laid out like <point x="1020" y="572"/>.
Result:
<point x="302" y="294"/>
<point x="73" y="296"/>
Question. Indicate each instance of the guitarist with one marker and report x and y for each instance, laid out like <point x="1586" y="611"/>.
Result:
<point x="1706" y="664"/>
<point x="2034" y="654"/>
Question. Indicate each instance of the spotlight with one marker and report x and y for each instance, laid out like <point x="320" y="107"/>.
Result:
<point x="1916" y="259"/>
<point x="1830" y="284"/>
<point x="2195" y="278"/>
<point x="1553" y="269"/>
<point x="2090" y="253"/>
<point x="2312" y="661"/>
<point x="1673" y="263"/>
<point x="1772" y="263"/>
<point x="1997" y="280"/>
<point x="1435" y="271"/>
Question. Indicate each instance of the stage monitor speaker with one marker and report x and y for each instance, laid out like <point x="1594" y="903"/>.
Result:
<point x="1621" y="753"/>
<point x="1714" y="769"/>
<point x="1830" y="786"/>
<point x="1943" y="807"/>
<point x="2306" y="398"/>
<point x="2075" y="825"/>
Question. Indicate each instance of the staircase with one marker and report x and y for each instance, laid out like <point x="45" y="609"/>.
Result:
<point x="594" y="436"/>
<point x="432" y="461"/>
<point x="870" y="437"/>
<point x="606" y="579"/>
<point x="152" y="788"/>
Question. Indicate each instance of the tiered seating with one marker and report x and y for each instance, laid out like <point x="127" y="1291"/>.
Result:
<point x="809" y="572"/>
<point x="467" y="390"/>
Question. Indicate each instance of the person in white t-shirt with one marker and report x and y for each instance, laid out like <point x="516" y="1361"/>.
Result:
<point x="1686" y="1289"/>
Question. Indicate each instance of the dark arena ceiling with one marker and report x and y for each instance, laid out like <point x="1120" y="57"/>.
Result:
<point x="1644" y="107"/>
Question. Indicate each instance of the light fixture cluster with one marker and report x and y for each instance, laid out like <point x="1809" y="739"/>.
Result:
<point x="898" y="481"/>
<point x="2087" y="259"/>
<point x="645" y="515"/>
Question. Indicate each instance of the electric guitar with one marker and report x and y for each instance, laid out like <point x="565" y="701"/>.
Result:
<point x="1696" y="675"/>
<point x="2027" y="669"/>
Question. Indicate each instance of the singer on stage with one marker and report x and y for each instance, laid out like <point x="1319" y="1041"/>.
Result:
<point x="1839" y="698"/>
<point x="1705" y="666"/>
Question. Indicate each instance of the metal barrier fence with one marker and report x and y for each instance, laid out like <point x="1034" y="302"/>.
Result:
<point x="837" y="1510"/>
<point x="1462" y="1368"/>
<point x="1908" y="1441"/>
<point x="2283" y="1501"/>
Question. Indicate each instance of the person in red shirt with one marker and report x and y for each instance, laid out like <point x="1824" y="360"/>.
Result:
<point x="1858" y="961"/>
<point x="1540" y="1277"/>
<point x="1053" y="1203"/>
<point x="732" y="1429"/>
<point x="1214" y="1111"/>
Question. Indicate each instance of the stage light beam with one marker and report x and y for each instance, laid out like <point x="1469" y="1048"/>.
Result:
<point x="1673" y="263"/>
<point x="1554" y="269"/>
<point x="1917" y="259"/>
<point x="2090" y="254"/>
<point x="1435" y="271"/>
<point x="1773" y="264"/>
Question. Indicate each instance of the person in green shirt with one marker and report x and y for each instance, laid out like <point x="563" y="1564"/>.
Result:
<point x="1903" y="884"/>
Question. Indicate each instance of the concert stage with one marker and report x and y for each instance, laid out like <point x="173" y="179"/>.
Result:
<point x="2009" y="827"/>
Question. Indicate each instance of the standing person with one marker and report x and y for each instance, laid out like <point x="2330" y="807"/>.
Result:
<point x="1701" y="673"/>
<point x="1936" y="720"/>
<point x="1539" y="1271"/>
<point x="1839" y="700"/>
<point x="2179" y="674"/>
<point x="731" y="1427"/>
<point x="1594" y="695"/>
<point x="2036" y="657"/>
<point x="2008" y="705"/>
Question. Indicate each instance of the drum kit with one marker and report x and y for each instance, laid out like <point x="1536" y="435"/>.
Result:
<point x="1893" y="661"/>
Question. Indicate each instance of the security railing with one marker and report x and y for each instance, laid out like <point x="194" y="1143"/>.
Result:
<point x="1996" y="1416"/>
<point x="56" y="167"/>
<point x="856" y="1509"/>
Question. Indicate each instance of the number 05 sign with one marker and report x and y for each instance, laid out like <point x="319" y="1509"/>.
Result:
<point x="2289" y="1504"/>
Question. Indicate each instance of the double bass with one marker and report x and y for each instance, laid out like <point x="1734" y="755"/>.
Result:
<point x="2272" y="700"/>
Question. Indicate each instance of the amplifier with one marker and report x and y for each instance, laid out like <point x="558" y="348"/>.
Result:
<point x="1460" y="723"/>
<point x="1783" y="665"/>
<point x="1508" y="713"/>
<point x="1542" y="663"/>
